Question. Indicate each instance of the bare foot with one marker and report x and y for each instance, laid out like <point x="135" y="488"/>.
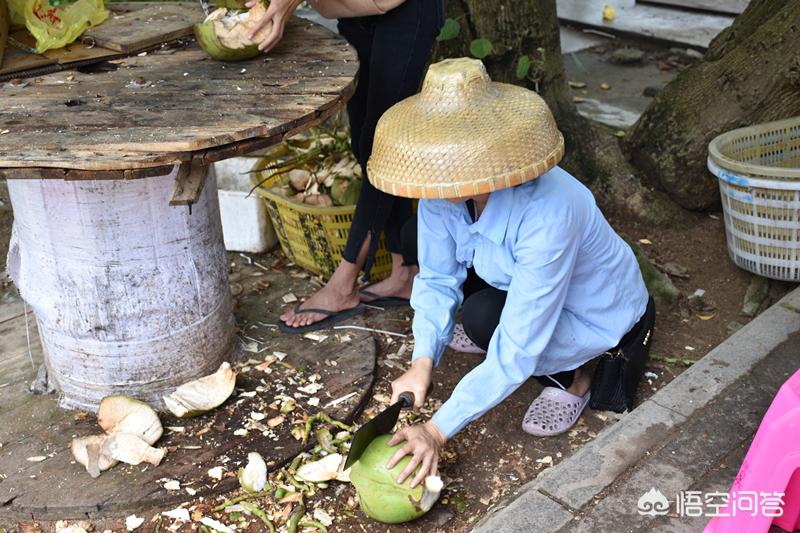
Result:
<point x="328" y="297"/>
<point x="398" y="284"/>
<point x="339" y="294"/>
<point x="580" y="383"/>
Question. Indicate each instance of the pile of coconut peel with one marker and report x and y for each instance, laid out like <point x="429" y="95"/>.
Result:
<point x="131" y="427"/>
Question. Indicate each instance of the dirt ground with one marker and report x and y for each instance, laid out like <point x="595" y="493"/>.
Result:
<point x="493" y="457"/>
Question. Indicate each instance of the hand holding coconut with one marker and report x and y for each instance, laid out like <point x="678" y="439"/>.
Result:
<point x="423" y="442"/>
<point x="277" y="14"/>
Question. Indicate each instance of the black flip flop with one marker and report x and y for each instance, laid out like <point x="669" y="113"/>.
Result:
<point x="332" y="317"/>
<point x="383" y="301"/>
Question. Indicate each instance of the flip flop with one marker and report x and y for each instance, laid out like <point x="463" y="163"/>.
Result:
<point x="383" y="301"/>
<point x="553" y="412"/>
<point x="332" y="317"/>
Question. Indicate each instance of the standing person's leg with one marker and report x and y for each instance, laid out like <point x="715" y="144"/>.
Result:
<point x="399" y="50"/>
<point x="397" y="64"/>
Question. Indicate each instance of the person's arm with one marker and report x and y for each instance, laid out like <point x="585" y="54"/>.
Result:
<point x="545" y="258"/>
<point x="435" y="297"/>
<point x="437" y="292"/>
<point x="278" y="12"/>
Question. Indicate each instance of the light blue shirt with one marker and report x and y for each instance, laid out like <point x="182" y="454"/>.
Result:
<point x="574" y="286"/>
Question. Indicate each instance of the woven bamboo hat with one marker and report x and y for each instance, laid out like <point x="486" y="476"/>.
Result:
<point x="463" y="135"/>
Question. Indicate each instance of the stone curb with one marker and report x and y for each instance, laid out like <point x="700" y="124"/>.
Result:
<point x="552" y="500"/>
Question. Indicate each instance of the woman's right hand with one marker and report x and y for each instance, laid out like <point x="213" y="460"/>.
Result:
<point x="278" y="12"/>
<point x="416" y="379"/>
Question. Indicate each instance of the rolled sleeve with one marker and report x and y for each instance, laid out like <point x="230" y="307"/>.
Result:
<point x="545" y="259"/>
<point x="437" y="292"/>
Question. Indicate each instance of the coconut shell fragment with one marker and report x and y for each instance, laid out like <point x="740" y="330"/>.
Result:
<point x="131" y="449"/>
<point x="325" y="469"/>
<point x="122" y="414"/>
<point x="202" y="395"/>
<point x="88" y="451"/>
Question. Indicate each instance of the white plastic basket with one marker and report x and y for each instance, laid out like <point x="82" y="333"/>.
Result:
<point x="759" y="181"/>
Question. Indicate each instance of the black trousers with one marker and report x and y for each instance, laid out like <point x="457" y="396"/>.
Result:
<point x="393" y="51"/>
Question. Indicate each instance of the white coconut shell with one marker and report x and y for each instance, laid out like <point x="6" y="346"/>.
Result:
<point x="131" y="449"/>
<point x="204" y="394"/>
<point x="88" y="451"/>
<point x="325" y="469"/>
<point x="123" y="414"/>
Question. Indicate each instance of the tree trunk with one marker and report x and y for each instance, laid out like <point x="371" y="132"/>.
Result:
<point x="750" y="74"/>
<point x="530" y="28"/>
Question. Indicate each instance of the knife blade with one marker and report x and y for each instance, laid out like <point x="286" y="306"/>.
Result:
<point x="381" y="424"/>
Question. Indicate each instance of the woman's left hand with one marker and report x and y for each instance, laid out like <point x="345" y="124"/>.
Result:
<point x="278" y="12"/>
<point x="423" y="442"/>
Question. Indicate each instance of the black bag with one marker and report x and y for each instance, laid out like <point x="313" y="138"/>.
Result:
<point x="617" y="375"/>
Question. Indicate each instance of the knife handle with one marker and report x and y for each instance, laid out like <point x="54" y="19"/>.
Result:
<point x="406" y="399"/>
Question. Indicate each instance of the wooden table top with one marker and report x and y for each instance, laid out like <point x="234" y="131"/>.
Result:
<point x="77" y="125"/>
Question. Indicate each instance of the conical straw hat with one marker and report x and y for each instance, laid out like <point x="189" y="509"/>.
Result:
<point x="463" y="135"/>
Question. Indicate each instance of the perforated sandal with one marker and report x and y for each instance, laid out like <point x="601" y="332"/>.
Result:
<point x="553" y="412"/>
<point x="462" y="343"/>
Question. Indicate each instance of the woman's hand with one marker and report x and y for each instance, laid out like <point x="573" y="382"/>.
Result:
<point x="416" y="379"/>
<point x="278" y="12"/>
<point x="423" y="442"/>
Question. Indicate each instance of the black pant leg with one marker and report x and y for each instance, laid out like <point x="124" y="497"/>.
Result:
<point x="400" y="49"/>
<point x="480" y="314"/>
<point x="358" y="31"/>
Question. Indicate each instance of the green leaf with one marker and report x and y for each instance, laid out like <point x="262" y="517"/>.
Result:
<point x="523" y="66"/>
<point x="449" y="31"/>
<point x="480" y="48"/>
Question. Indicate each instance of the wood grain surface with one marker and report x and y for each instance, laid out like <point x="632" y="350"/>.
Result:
<point x="128" y="31"/>
<point x="190" y="106"/>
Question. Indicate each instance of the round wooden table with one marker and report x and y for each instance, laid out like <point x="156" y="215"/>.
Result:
<point x="101" y="169"/>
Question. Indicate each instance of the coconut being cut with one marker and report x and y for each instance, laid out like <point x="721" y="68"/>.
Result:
<point x="380" y="496"/>
<point x="224" y="33"/>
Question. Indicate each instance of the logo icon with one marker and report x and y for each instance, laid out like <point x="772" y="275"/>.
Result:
<point x="653" y="503"/>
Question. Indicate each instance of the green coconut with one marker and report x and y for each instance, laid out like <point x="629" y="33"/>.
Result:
<point x="224" y="33"/>
<point x="380" y="496"/>
<point x="345" y="191"/>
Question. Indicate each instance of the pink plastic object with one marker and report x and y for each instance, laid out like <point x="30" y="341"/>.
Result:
<point x="462" y="343"/>
<point x="772" y="465"/>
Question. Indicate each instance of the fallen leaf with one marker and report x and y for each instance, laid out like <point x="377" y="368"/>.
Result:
<point x="605" y="86"/>
<point x="277" y="421"/>
<point x="37" y="458"/>
<point x="645" y="241"/>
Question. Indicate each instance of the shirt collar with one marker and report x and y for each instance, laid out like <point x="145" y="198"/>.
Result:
<point x="493" y="222"/>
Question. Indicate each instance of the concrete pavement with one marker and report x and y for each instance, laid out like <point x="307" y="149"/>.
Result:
<point x="690" y="436"/>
